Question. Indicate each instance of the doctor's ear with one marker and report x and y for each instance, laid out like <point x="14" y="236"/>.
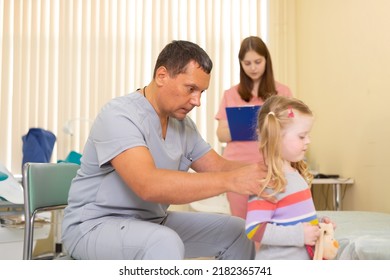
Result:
<point x="162" y="75"/>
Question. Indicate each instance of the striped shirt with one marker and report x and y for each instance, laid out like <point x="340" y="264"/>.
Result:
<point x="278" y="226"/>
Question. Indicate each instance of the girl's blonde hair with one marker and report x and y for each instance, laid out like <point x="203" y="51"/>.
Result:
<point x="276" y="114"/>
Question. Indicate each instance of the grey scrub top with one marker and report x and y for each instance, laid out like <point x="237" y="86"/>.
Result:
<point x="98" y="191"/>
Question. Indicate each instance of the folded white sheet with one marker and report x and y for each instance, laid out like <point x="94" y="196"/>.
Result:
<point x="10" y="189"/>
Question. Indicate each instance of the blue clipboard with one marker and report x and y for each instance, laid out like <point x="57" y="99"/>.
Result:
<point x="243" y="122"/>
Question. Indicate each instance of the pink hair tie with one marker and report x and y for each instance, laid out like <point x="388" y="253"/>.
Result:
<point x="291" y="113"/>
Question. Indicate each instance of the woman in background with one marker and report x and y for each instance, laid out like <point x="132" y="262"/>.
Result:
<point x="257" y="83"/>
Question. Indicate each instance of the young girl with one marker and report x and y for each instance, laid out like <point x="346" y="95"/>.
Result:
<point x="257" y="83"/>
<point x="288" y="228"/>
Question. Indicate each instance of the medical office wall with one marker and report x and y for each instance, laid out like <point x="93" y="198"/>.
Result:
<point x="342" y="72"/>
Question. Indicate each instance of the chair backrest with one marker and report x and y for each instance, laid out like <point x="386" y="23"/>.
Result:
<point x="45" y="187"/>
<point x="47" y="184"/>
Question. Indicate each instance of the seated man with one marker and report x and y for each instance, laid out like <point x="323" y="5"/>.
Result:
<point x="135" y="165"/>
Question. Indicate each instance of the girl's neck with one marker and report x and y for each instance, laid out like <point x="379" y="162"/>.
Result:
<point x="287" y="166"/>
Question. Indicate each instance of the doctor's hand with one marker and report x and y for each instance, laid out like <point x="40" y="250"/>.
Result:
<point x="248" y="180"/>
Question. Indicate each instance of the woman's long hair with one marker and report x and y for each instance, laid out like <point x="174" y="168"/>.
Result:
<point x="267" y="86"/>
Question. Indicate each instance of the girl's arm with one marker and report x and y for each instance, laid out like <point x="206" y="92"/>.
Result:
<point x="275" y="235"/>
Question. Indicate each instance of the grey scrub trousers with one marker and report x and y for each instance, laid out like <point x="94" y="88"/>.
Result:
<point x="183" y="235"/>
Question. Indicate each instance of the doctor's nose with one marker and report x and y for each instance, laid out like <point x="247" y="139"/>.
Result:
<point x="195" y="99"/>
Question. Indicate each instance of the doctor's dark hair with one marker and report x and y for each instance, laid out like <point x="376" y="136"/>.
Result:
<point x="267" y="86"/>
<point x="176" y="55"/>
<point x="277" y="113"/>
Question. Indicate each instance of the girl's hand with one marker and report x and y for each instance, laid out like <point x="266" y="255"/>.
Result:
<point x="311" y="234"/>
<point x="327" y="220"/>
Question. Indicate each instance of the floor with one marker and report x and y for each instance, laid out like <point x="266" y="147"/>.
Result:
<point x="11" y="238"/>
<point x="12" y="235"/>
<point x="11" y="241"/>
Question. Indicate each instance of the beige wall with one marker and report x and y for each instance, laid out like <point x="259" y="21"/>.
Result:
<point x="343" y="73"/>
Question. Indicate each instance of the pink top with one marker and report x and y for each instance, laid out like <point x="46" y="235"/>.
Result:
<point x="245" y="151"/>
